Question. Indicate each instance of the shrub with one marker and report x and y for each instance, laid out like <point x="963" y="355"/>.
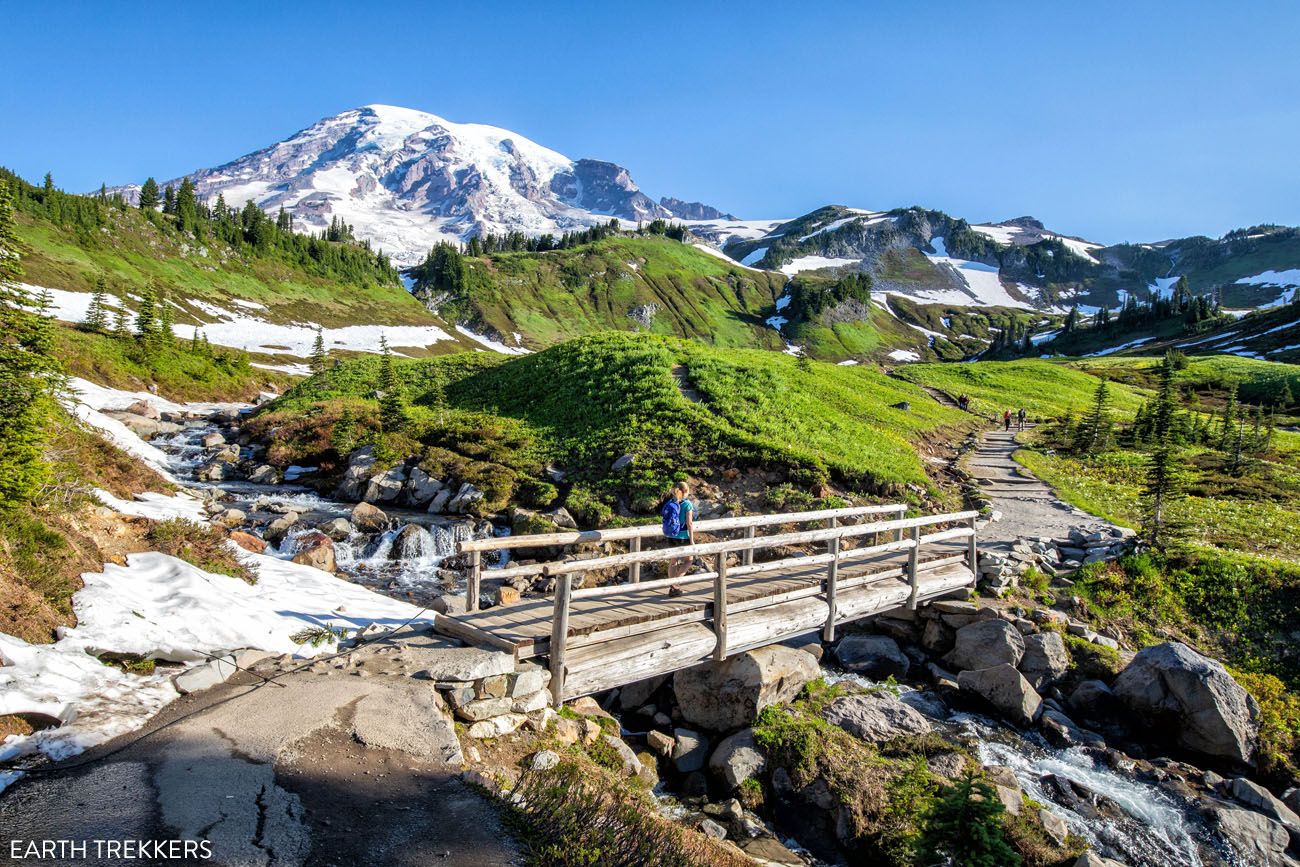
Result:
<point x="965" y="825"/>
<point x="204" y="547"/>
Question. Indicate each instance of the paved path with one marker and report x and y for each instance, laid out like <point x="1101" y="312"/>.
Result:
<point x="331" y="768"/>
<point x="1029" y="507"/>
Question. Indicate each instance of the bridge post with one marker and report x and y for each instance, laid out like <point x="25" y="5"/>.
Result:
<point x="898" y="532"/>
<point x="832" y="578"/>
<point x="559" y="635"/>
<point x="634" y="571"/>
<point x="972" y="554"/>
<point x="472" y="582"/>
<point x="913" y="574"/>
<point x="720" y="609"/>
<point x="747" y="558"/>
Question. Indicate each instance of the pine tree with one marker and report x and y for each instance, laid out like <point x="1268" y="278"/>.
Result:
<point x="121" y="318"/>
<point x="1162" y="474"/>
<point x="166" y="318"/>
<point x="97" y="315"/>
<point x="1229" y="413"/>
<point x="146" y="315"/>
<point x="169" y="200"/>
<point x="318" y="354"/>
<point x="149" y="195"/>
<point x="965" y="826"/>
<point x="1095" y="429"/>
<point x="187" y="207"/>
<point x="1071" y="320"/>
<point x="392" y="408"/>
<point x="30" y="375"/>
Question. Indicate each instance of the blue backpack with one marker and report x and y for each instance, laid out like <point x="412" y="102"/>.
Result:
<point x="671" y="513"/>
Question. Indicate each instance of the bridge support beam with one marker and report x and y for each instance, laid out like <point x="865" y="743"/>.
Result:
<point x="560" y="636"/>
<point x="472" y="581"/>
<point x="634" y="571"/>
<point x="719" y="608"/>
<point x="913" y="575"/>
<point x="973" y="555"/>
<point x="832" y="578"/>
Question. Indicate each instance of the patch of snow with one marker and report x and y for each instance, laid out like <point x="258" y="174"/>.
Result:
<point x="250" y="305"/>
<point x="494" y="345"/>
<point x="1288" y="281"/>
<point x="832" y="226"/>
<point x="297" y="368"/>
<point x="783" y="302"/>
<point x="848" y="362"/>
<point x="812" y="263"/>
<point x="1163" y="287"/>
<point x="1044" y="337"/>
<point x="777" y="321"/>
<point x="157" y="507"/>
<point x="983" y="285"/>
<point x="754" y="256"/>
<point x="904" y="355"/>
<point x="1284" y="348"/>
<point x="1002" y="234"/>
<point x="718" y="254"/>
<point x="1120" y="348"/>
<point x="1081" y="248"/>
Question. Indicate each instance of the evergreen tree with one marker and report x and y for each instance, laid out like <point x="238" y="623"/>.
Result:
<point x="166" y="318"/>
<point x="121" y="318"/>
<point x="1161" y="481"/>
<point x="965" y="826"/>
<point x="1226" y="420"/>
<point x="169" y="200"/>
<point x="146" y="315"/>
<point x="149" y="198"/>
<point x="1095" y="429"/>
<point x="392" y="408"/>
<point x="318" y="354"/>
<point x="187" y="207"/>
<point x="97" y="315"/>
<point x="30" y="376"/>
<point x="1071" y="320"/>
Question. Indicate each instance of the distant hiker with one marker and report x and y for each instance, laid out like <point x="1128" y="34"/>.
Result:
<point x="964" y="402"/>
<point x="1021" y="415"/>
<point x="678" y="517"/>
<point x="1006" y="419"/>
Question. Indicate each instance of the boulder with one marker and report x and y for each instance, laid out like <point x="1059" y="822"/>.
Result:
<point x="497" y="726"/>
<point x="1054" y="825"/>
<point x="420" y="488"/>
<point x="1092" y="859"/>
<point x="213" y="440"/>
<point x="876" y="717"/>
<point x="876" y="656"/>
<point x="631" y="764"/>
<point x="1006" y="690"/>
<point x="279" y="528"/>
<point x="145" y="409"/>
<point x="661" y="743"/>
<point x="1045" y="659"/>
<point x="438" y="504"/>
<point x="723" y="696"/>
<point x="229" y="518"/>
<point x="1261" y="800"/>
<point x="248" y="541"/>
<point x="466" y="497"/>
<point x="1172" y="685"/>
<point x="410" y="543"/>
<point x="622" y="462"/>
<point x="315" y="549"/>
<point x="561" y="518"/>
<point x="638" y="692"/>
<point x="369" y="519"/>
<point x="264" y="474"/>
<point x="986" y="644"/>
<point x="204" y="675"/>
<point x="386" y="486"/>
<point x="690" y="750"/>
<point x="337" y="529"/>
<point x="1093" y="702"/>
<point x="737" y="759"/>
<point x="1257" y="838"/>
<point x="361" y="466"/>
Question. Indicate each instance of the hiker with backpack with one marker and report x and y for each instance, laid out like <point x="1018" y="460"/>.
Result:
<point x="1021" y="416"/>
<point x="678" y="515"/>
<point x="1006" y="419"/>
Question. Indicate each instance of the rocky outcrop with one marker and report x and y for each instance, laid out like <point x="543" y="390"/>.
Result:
<point x="1045" y="659"/>
<point x="986" y="644"/>
<point x="315" y="549"/>
<point x="736" y="759"/>
<point x="876" y="717"/>
<point x="876" y="656"/>
<point x="1172" y="685"/>
<point x="723" y="696"/>
<point x="1260" y="839"/>
<point x="1005" y="690"/>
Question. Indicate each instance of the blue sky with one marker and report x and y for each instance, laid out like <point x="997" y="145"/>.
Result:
<point x="1115" y="121"/>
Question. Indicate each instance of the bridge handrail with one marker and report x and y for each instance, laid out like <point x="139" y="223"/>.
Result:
<point x="728" y="545"/>
<point x="616" y="534"/>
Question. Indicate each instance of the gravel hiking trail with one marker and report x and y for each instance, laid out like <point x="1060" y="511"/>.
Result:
<point x="1029" y="506"/>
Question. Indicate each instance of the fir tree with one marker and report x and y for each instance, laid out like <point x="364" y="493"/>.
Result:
<point x="965" y="826"/>
<point x="169" y="200"/>
<point x="187" y="207"/>
<point x="149" y="195"/>
<point x="97" y="315"/>
<point x="121" y="320"/>
<point x="30" y="376"/>
<point x="392" y="408"/>
<point x="1161" y="481"/>
<point x="1229" y="413"/>
<point x="1095" y="429"/>
<point x="166" y="318"/>
<point x="1071" y="320"/>
<point x="318" y="354"/>
<point x="146" y="315"/>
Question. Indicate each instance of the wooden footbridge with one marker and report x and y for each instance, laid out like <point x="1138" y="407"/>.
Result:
<point x="597" y="638"/>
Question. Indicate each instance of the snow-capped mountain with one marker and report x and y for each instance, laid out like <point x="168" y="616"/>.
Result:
<point x="404" y="179"/>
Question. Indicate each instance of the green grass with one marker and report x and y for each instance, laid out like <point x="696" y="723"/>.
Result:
<point x="178" y="372"/>
<point x="134" y="251"/>
<point x="1044" y="388"/>
<point x="583" y="403"/>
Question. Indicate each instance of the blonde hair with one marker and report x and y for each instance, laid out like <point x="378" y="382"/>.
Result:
<point x="683" y="487"/>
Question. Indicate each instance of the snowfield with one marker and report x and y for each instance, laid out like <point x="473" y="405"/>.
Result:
<point x="1288" y="281"/>
<point x="494" y="345"/>
<point x="244" y="330"/>
<point x="984" y="286"/>
<point x="812" y="263"/>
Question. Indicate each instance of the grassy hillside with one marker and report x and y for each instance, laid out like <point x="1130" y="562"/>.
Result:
<point x="70" y="240"/>
<point x="678" y="406"/>
<point x="1044" y="388"/>
<point x="552" y="296"/>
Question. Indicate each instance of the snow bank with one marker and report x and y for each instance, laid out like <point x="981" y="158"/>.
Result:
<point x="157" y="507"/>
<point x="754" y="256"/>
<point x="811" y="263"/>
<point x="904" y="355"/>
<point x="494" y="345"/>
<point x="983" y="285"/>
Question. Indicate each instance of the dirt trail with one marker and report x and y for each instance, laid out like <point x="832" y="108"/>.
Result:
<point x="1029" y="507"/>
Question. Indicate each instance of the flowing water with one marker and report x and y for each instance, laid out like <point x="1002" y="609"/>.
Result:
<point x="403" y="562"/>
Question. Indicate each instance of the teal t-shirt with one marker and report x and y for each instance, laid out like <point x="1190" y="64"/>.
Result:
<point x="686" y="507"/>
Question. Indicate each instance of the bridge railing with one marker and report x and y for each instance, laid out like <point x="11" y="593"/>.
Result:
<point x="907" y="532"/>
<point x="474" y="548"/>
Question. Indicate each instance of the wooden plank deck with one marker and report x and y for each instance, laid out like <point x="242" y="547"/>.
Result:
<point x="525" y="628"/>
